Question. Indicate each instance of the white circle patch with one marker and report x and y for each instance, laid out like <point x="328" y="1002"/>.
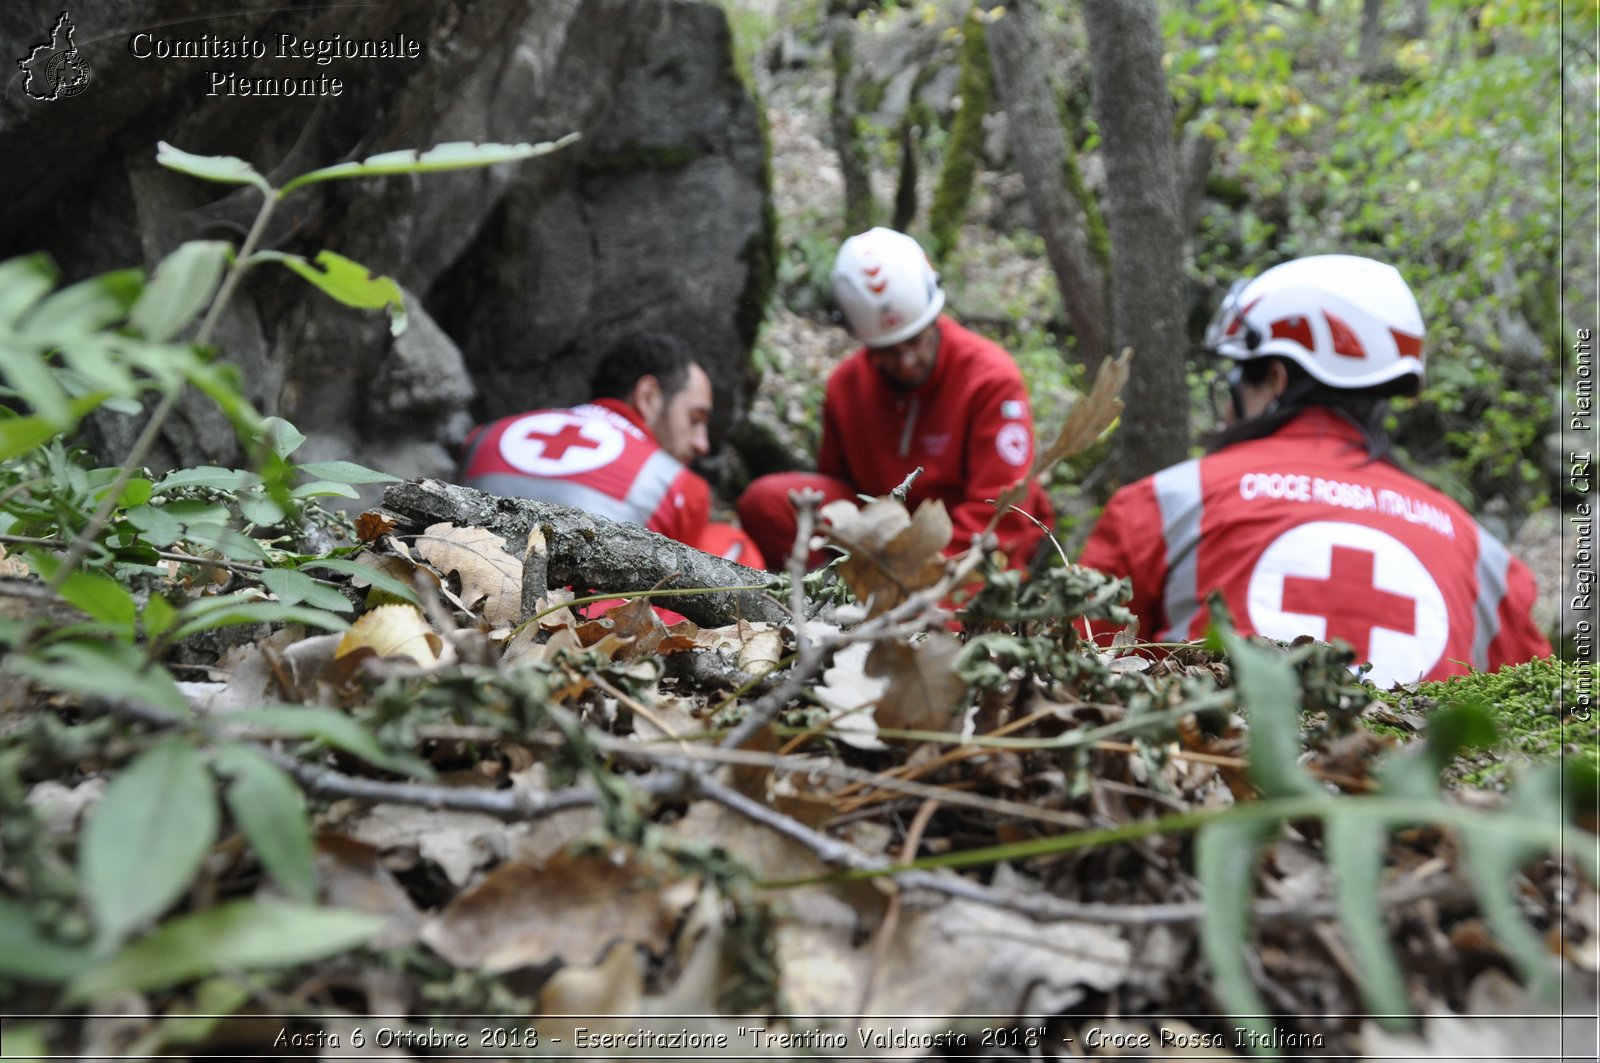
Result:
<point x="558" y="444"/>
<point x="1013" y="442"/>
<point x="1332" y="579"/>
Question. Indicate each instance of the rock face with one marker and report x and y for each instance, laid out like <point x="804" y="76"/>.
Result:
<point x="516" y="275"/>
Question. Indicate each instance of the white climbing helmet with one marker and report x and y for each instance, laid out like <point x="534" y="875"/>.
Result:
<point x="886" y="287"/>
<point x="1350" y="322"/>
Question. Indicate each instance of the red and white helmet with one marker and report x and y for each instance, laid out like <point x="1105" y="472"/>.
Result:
<point x="1350" y="322"/>
<point x="886" y="287"/>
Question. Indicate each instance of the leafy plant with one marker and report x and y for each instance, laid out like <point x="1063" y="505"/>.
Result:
<point x="111" y="543"/>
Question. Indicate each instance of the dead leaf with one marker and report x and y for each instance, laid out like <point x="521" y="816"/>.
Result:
<point x="850" y="695"/>
<point x="12" y="566"/>
<point x="956" y="958"/>
<point x="393" y="630"/>
<point x="351" y="875"/>
<point x="372" y="526"/>
<point x="892" y="555"/>
<point x="761" y="649"/>
<point x="1091" y="415"/>
<point x="479" y="559"/>
<point x="458" y="842"/>
<point x="636" y="621"/>
<point x="924" y="689"/>
<point x="613" y="987"/>
<point x="571" y="908"/>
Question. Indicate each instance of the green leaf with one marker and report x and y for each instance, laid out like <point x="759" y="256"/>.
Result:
<point x="1355" y="849"/>
<point x="238" y="935"/>
<point x="1225" y="863"/>
<point x="379" y="579"/>
<point x="18" y="435"/>
<point x="268" y="807"/>
<point x="226" y="541"/>
<point x="346" y="472"/>
<point x="335" y="729"/>
<point x="160" y="528"/>
<point x="98" y="362"/>
<point x="144" y="841"/>
<point x="159" y="616"/>
<point x="348" y="282"/>
<point x="224" y="169"/>
<point x="283" y="437"/>
<point x="292" y="588"/>
<point x="323" y="489"/>
<point x="82" y="308"/>
<point x="455" y="155"/>
<point x="115" y="671"/>
<point x="182" y="288"/>
<point x="24" y="281"/>
<point x="36" y="383"/>
<point x="136" y="492"/>
<point x="207" y="476"/>
<point x="258" y="508"/>
<point x="229" y="610"/>
<point x="1270" y="695"/>
<point x="28" y="953"/>
<point x="102" y="598"/>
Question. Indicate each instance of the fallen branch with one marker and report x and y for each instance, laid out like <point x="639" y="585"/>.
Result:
<point x="591" y="552"/>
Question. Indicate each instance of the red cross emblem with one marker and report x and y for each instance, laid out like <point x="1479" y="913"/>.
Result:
<point x="1351" y="603"/>
<point x="556" y="444"/>
<point x="1334" y="579"/>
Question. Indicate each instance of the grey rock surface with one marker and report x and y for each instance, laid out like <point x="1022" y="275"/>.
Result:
<point x="517" y="275"/>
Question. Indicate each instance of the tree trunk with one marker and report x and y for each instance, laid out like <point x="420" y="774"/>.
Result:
<point x="1039" y="146"/>
<point x="1144" y="217"/>
<point x="842" y="123"/>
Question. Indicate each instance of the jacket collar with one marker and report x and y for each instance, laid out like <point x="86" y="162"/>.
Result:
<point x="628" y="413"/>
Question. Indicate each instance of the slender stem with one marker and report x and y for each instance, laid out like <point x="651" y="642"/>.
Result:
<point x="158" y="416"/>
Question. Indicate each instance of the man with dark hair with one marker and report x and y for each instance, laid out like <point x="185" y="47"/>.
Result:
<point x="622" y="455"/>
<point x="1298" y="518"/>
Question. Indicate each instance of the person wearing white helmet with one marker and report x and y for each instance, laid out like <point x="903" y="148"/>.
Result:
<point x="921" y="391"/>
<point x="1299" y="516"/>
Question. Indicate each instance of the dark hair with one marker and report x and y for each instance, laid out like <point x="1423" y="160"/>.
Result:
<point x="657" y="354"/>
<point x="1365" y="408"/>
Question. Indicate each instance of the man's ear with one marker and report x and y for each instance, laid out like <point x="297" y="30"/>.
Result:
<point x="1277" y="377"/>
<point x="648" y="397"/>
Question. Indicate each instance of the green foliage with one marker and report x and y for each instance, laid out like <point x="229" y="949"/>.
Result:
<point x="1437" y="153"/>
<point x="1495" y="845"/>
<point x="105" y="539"/>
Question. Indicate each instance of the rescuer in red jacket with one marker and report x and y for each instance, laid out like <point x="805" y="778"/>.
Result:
<point x="623" y="455"/>
<point x="1298" y="516"/>
<point x="922" y="391"/>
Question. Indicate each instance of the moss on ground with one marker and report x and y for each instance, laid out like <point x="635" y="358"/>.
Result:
<point x="1536" y="707"/>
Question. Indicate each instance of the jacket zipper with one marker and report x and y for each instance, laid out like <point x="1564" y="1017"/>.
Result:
<point x="911" y="421"/>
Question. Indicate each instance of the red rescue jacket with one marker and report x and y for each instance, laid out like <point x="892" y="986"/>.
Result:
<point x="598" y="457"/>
<point x="969" y="426"/>
<point x="1304" y="534"/>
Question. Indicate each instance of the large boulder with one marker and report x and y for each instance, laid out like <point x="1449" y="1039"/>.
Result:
<point x="517" y="275"/>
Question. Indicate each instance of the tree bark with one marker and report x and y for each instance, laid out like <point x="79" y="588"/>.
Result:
<point x="590" y="552"/>
<point x="842" y="123"/>
<point x="1144" y="217"/>
<point x="1039" y="146"/>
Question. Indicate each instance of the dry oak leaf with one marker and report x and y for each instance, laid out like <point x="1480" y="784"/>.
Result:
<point x="761" y="647"/>
<point x="924" y="689"/>
<point x="1091" y="415"/>
<point x="478" y="556"/>
<point x="892" y="554"/>
<point x="372" y="526"/>
<point x="572" y="908"/>
<point x="390" y="631"/>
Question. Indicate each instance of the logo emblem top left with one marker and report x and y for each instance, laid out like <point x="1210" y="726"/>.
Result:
<point x="55" y="69"/>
